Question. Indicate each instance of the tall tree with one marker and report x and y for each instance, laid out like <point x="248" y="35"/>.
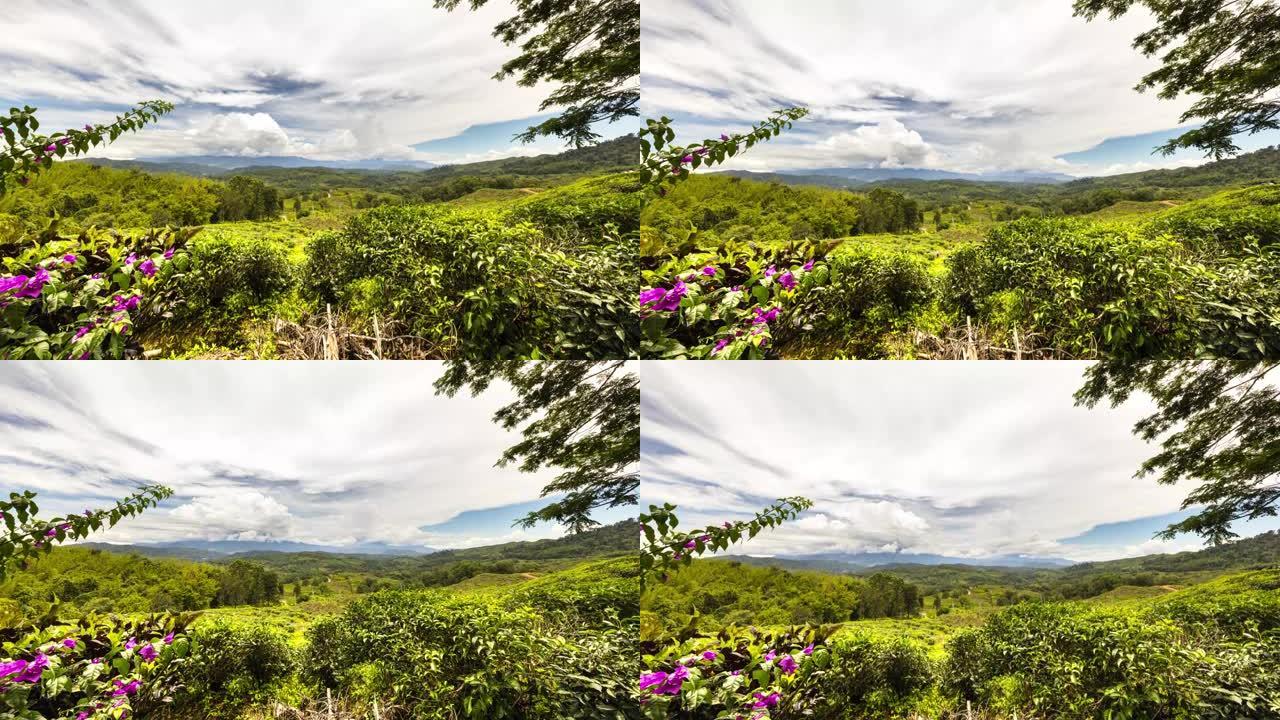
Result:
<point x="1218" y="423"/>
<point x="1226" y="52"/>
<point x="590" y="47"/>
<point x="582" y="417"/>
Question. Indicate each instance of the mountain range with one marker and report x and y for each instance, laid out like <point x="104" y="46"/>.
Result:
<point x="217" y="549"/>
<point x="859" y="176"/>
<point x="214" y="165"/>
<point x="852" y="562"/>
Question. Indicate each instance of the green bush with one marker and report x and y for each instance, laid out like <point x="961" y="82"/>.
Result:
<point x="230" y="278"/>
<point x="871" y="289"/>
<point x="1087" y="288"/>
<point x="883" y="677"/>
<point x="441" y="657"/>
<point x="473" y="285"/>
<point x="231" y="667"/>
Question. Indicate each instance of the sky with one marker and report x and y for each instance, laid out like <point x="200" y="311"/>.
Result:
<point x="322" y="79"/>
<point x="973" y="86"/>
<point x="968" y="460"/>
<point x="324" y="453"/>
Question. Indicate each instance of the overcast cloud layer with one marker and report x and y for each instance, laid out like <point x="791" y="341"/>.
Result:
<point x="321" y="453"/>
<point x="959" y="459"/>
<point x="323" y="79"/>
<point x="979" y="85"/>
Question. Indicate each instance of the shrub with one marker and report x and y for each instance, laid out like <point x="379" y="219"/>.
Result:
<point x="442" y="657"/>
<point x="882" y="676"/>
<point x="231" y="667"/>
<point x="872" y="290"/>
<point x="474" y="285"/>
<point x="230" y="278"/>
<point x="1088" y="288"/>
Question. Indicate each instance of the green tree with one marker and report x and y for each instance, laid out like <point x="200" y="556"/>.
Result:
<point x="247" y="198"/>
<point x="583" y="417"/>
<point x="590" y="47"/>
<point x="247" y="583"/>
<point x="1218" y="423"/>
<point x="1224" y="52"/>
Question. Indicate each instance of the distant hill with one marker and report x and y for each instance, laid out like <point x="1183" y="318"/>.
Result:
<point x="215" y="549"/>
<point x="871" y="175"/>
<point x="609" y="539"/>
<point x="619" y="153"/>
<point x="852" y="562"/>
<point x="1251" y="553"/>
<point x="1250" y="168"/>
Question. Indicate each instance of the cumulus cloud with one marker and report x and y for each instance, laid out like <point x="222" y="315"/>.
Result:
<point x="307" y="452"/>
<point x="960" y="459"/>
<point x="895" y="84"/>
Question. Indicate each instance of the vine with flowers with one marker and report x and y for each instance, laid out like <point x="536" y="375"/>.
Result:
<point x="26" y="535"/>
<point x="727" y="302"/>
<point x="740" y="673"/>
<point x="28" y="153"/>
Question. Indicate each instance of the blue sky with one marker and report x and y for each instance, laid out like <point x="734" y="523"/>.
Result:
<point x="959" y="459"/>
<point x="323" y="79"/>
<point x="974" y="86"/>
<point x="323" y="453"/>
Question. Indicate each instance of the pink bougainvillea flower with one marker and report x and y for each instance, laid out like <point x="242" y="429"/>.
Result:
<point x="86" y="329"/>
<point x="123" y="304"/>
<point x="17" y="282"/>
<point x="727" y="524"/>
<point x="808" y="266"/>
<point x="763" y="701"/>
<point x="721" y="345"/>
<point x="773" y="270"/>
<point x="686" y="159"/>
<point x="168" y="639"/>
<point x="12" y="667"/>
<point x="148" y="267"/>
<point x="709" y="655"/>
<point x="51" y="148"/>
<point x="787" y="280"/>
<point x="126" y="688"/>
<point x="690" y="545"/>
<point x="131" y="643"/>
<point x="69" y="643"/>
<point x="702" y="151"/>
<point x="808" y="650"/>
<point x="33" y="288"/>
<point x="709" y="271"/>
<point x="133" y="258"/>
<point x="69" y="258"/>
<point x="653" y="680"/>
<point x="652" y="295"/>
<point x="724" y="137"/>
<point x="764" y="317"/>
<point x="168" y="254"/>
<point x="27" y="672"/>
<point x="787" y="664"/>
<point x="51" y="533"/>
<point x="88" y="128"/>
<point x="148" y="653"/>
